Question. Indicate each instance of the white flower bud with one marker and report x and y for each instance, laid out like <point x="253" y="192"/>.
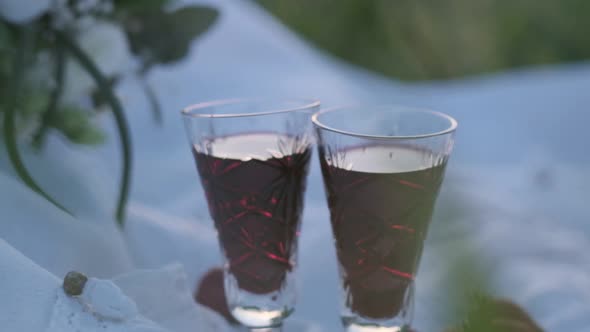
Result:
<point x="23" y="11"/>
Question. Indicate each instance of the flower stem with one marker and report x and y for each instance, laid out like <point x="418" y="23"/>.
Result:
<point x="12" y="98"/>
<point x="153" y="100"/>
<point x="102" y="82"/>
<point x="60" y="58"/>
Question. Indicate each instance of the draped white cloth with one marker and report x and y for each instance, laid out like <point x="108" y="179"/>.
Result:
<point x="516" y="187"/>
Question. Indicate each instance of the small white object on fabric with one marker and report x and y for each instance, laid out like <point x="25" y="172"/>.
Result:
<point x="104" y="299"/>
<point x="73" y="314"/>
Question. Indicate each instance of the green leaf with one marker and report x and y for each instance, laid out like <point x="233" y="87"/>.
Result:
<point x="77" y="126"/>
<point x="161" y="37"/>
<point x="134" y="5"/>
<point x="31" y="102"/>
<point x="11" y="105"/>
<point x="103" y="84"/>
<point x="6" y="48"/>
<point x="6" y="41"/>
<point x="488" y="314"/>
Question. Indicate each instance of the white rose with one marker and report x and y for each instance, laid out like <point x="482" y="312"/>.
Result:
<point x="23" y="11"/>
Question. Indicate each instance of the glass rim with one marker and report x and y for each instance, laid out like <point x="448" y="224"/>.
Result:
<point x="395" y="108"/>
<point x="191" y="110"/>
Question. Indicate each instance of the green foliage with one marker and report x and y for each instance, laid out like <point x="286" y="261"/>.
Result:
<point x="432" y="39"/>
<point x="161" y="37"/>
<point x="10" y="104"/>
<point x="6" y="49"/>
<point x="134" y="5"/>
<point x="106" y="90"/>
<point x="98" y="98"/>
<point x="487" y="314"/>
<point x="32" y="97"/>
<point x="31" y="103"/>
<point x="158" y="36"/>
<point x="77" y="126"/>
<point x="6" y="40"/>
<point x="467" y="284"/>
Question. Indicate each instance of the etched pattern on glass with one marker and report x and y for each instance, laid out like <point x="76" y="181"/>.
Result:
<point x="256" y="203"/>
<point x="379" y="220"/>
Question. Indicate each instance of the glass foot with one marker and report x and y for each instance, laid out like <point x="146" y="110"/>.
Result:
<point x="259" y="319"/>
<point x="358" y="324"/>
<point x="375" y="328"/>
<point x="287" y="326"/>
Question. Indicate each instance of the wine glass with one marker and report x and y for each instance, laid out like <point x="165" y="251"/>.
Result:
<point x="252" y="157"/>
<point x="382" y="169"/>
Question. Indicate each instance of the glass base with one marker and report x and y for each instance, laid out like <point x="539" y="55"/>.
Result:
<point x="374" y="328"/>
<point x="293" y="325"/>
<point x="253" y="317"/>
<point x="259" y="311"/>
<point x="402" y="312"/>
<point x="356" y="324"/>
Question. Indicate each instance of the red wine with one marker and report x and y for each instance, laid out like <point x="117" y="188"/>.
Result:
<point x="255" y="194"/>
<point x="381" y="200"/>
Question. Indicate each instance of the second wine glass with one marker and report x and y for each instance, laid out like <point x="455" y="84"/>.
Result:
<point x="382" y="169"/>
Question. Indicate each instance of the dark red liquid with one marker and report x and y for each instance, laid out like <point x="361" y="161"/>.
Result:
<point x="256" y="205"/>
<point x="211" y="293"/>
<point x="379" y="219"/>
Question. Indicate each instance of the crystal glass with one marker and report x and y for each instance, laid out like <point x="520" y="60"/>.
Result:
<point x="382" y="169"/>
<point x="252" y="157"/>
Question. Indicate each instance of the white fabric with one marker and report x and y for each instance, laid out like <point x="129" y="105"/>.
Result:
<point x="104" y="309"/>
<point x="27" y="293"/>
<point x="165" y="296"/>
<point x="516" y="187"/>
<point x="55" y="240"/>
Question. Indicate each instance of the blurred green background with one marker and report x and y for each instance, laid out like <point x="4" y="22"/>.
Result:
<point x="435" y="39"/>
